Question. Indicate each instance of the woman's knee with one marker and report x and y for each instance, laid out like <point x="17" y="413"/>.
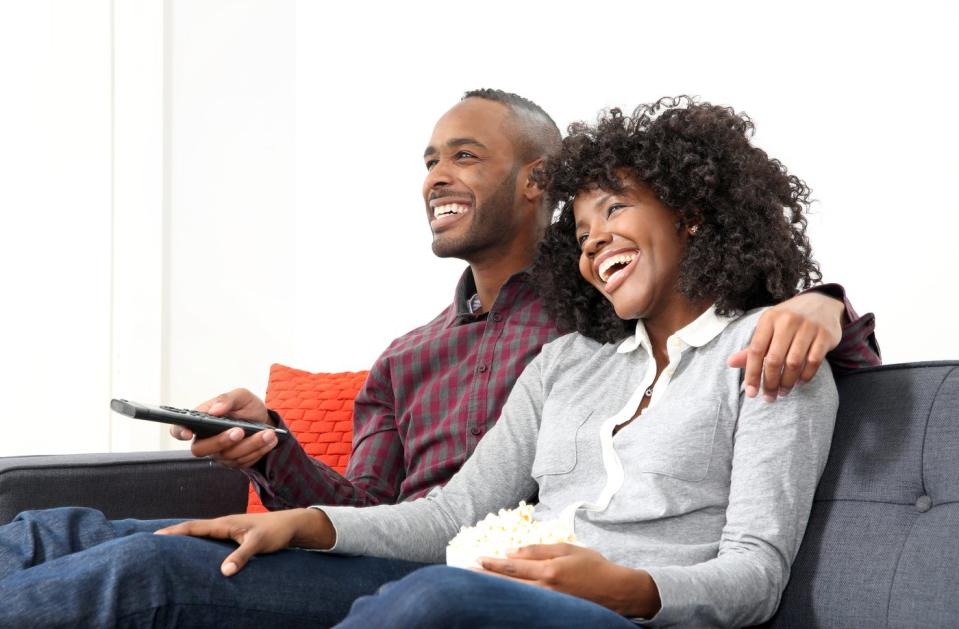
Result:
<point x="433" y="596"/>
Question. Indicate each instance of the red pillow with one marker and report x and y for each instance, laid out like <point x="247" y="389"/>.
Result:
<point x="318" y="408"/>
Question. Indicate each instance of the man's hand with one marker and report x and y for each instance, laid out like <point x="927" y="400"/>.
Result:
<point x="790" y="343"/>
<point x="260" y="533"/>
<point x="231" y="448"/>
<point x="581" y="572"/>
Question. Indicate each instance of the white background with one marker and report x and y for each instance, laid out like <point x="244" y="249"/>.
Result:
<point x="191" y="190"/>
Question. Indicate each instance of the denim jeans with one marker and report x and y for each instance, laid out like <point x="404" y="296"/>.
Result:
<point x="74" y="568"/>
<point x="442" y="597"/>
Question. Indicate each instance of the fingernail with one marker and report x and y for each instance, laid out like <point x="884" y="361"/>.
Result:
<point x="269" y="436"/>
<point x="784" y="392"/>
<point x="236" y="434"/>
<point x="769" y="397"/>
<point x="229" y="569"/>
<point x="751" y="391"/>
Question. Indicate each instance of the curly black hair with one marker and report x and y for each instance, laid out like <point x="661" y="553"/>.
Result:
<point x="750" y="248"/>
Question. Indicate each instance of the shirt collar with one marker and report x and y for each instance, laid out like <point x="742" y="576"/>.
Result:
<point x="702" y="330"/>
<point x="465" y="291"/>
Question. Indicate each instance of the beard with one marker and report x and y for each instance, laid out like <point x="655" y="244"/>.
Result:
<point x="490" y="225"/>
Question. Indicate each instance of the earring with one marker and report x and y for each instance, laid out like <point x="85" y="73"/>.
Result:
<point x="692" y="230"/>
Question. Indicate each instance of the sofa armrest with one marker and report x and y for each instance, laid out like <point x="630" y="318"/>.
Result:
<point x="143" y="485"/>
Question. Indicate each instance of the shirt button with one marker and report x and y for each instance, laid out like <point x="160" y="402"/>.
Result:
<point x="482" y="368"/>
<point x="497" y="317"/>
<point x="923" y="504"/>
<point x="476" y="430"/>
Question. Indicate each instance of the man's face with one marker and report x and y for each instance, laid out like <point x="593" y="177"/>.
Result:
<point x="470" y="188"/>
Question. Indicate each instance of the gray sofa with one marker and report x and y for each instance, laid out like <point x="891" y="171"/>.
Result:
<point x="144" y="485"/>
<point x="882" y="545"/>
<point x="881" y="549"/>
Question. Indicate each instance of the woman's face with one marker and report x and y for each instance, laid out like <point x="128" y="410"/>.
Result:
<point x="630" y="248"/>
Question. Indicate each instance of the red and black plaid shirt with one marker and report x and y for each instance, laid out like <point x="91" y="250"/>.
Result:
<point x="428" y="400"/>
<point x="433" y="394"/>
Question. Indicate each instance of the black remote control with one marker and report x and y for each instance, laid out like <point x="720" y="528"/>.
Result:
<point x="202" y="424"/>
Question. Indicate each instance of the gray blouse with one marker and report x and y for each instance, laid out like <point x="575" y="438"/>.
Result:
<point x="707" y="490"/>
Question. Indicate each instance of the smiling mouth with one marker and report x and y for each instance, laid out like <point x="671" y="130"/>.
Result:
<point x="450" y="209"/>
<point x="613" y="264"/>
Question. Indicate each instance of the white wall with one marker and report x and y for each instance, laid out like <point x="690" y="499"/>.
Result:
<point x="856" y="99"/>
<point x="55" y="225"/>
<point x="231" y="279"/>
<point x="147" y="211"/>
<point x="190" y="190"/>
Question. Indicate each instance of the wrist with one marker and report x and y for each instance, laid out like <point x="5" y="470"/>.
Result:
<point x="836" y="307"/>
<point x="314" y="530"/>
<point x="834" y="296"/>
<point x="640" y="594"/>
<point x="272" y="418"/>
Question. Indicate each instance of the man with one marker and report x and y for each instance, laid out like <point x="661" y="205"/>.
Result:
<point x="427" y="402"/>
<point x="436" y="390"/>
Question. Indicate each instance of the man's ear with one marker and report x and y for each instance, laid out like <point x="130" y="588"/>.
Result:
<point x="531" y="189"/>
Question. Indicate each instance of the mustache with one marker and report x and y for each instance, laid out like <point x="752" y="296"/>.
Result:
<point x="442" y="194"/>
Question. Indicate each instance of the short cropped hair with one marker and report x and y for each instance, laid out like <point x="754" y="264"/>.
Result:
<point x="538" y="134"/>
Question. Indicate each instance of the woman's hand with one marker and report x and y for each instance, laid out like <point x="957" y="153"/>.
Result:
<point x="259" y="533"/>
<point x="582" y="572"/>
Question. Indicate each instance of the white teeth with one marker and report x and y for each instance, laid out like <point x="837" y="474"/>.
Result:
<point x="450" y="208"/>
<point x="608" y="263"/>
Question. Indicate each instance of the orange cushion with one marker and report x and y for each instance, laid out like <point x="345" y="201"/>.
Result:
<point x="318" y="408"/>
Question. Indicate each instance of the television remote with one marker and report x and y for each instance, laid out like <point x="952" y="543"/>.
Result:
<point x="202" y="424"/>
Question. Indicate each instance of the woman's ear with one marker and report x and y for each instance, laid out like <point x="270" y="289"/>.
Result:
<point x="690" y="225"/>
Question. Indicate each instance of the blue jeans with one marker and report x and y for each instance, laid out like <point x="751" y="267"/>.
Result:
<point x="73" y="567"/>
<point x="442" y="597"/>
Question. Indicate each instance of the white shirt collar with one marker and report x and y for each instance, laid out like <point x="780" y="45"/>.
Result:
<point x="702" y="330"/>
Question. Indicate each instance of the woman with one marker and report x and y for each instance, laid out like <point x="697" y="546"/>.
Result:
<point x="689" y="497"/>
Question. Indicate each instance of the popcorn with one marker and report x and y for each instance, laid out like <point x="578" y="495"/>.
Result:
<point x="509" y="529"/>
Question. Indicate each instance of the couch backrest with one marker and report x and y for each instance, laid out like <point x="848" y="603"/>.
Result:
<point x="142" y="485"/>
<point x="882" y="545"/>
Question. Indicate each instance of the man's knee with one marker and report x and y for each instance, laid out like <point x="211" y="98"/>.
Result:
<point x="61" y="516"/>
<point x="176" y="553"/>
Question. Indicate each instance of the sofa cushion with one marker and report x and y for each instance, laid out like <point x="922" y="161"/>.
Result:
<point x="318" y="408"/>
<point x="882" y="545"/>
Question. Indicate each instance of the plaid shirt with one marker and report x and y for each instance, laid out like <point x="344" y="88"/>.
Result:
<point x="428" y="400"/>
<point x="433" y="394"/>
<point x="858" y="346"/>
